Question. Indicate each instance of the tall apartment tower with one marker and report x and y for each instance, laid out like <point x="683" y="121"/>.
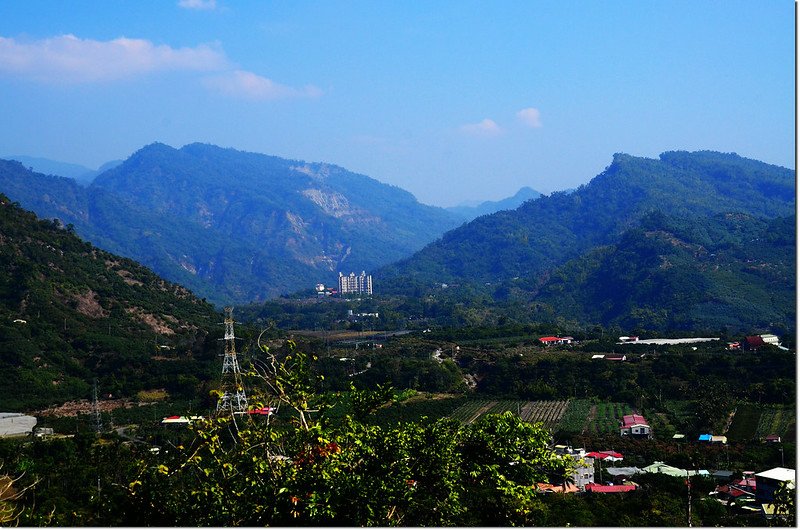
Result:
<point x="361" y="284"/>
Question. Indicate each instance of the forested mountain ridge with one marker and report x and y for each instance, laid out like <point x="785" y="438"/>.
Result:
<point x="727" y="272"/>
<point x="70" y="312"/>
<point x="235" y="226"/>
<point x="546" y="232"/>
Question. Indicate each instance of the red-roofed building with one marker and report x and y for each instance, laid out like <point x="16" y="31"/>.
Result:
<point x="635" y="425"/>
<point x="601" y="488"/>
<point x="754" y="342"/>
<point x="730" y="492"/>
<point x="547" y="341"/>
<point x="264" y="411"/>
<point x="608" y="456"/>
<point x="748" y="483"/>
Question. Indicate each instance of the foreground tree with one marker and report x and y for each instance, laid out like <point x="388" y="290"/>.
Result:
<point x="304" y="468"/>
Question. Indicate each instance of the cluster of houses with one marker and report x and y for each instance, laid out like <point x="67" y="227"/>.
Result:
<point x="749" y="343"/>
<point x="753" y="492"/>
<point x="583" y="477"/>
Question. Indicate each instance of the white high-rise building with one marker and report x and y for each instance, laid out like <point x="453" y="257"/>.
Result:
<point x="361" y="284"/>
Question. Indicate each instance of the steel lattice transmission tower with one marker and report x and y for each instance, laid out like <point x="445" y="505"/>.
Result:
<point x="233" y="399"/>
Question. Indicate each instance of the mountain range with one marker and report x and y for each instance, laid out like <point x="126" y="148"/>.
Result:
<point x="545" y="233"/>
<point x="80" y="174"/>
<point x="685" y="241"/>
<point x="235" y="226"/>
<point x="470" y="212"/>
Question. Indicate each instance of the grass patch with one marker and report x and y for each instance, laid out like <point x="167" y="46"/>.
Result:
<point x="745" y="423"/>
<point x="156" y="394"/>
<point x="417" y="407"/>
<point x="776" y="420"/>
<point x="574" y="419"/>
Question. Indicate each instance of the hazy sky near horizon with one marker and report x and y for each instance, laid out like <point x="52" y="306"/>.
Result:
<point x="450" y="100"/>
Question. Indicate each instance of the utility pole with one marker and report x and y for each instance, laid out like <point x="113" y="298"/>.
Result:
<point x="97" y="427"/>
<point x="689" y="502"/>
<point x="98" y="424"/>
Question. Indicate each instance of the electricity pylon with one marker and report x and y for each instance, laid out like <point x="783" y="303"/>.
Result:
<point x="233" y="399"/>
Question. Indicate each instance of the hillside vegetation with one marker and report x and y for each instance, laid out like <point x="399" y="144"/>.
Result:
<point x="546" y="232"/>
<point x="727" y="272"/>
<point x="70" y="313"/>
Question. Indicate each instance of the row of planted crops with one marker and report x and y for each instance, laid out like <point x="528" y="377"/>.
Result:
<point x="577" y="415"/>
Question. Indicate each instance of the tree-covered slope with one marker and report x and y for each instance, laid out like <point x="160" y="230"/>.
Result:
<point x="235" y="226"/>
<point x="70" y="312"/>
<point x="728" y="272"/>
<point x="548" y="231"/>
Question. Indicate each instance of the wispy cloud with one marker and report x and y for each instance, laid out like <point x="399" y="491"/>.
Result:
<point x="239" y="83"/>
<point x="530" y="117"/>
<point x="198" y="4"/>
<point x="67" y="58"/>
<point x="486" y="127"/>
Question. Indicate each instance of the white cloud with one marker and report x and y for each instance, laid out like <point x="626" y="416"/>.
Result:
<point x="530" y="117"/>
<point x="198" y="4"/>
<point x="67" y="58"/>
<point x="71" y="60"/>
<point x="486" y="127"/>
<point x="239" y="83"/>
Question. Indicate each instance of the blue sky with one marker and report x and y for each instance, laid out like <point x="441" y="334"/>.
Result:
<point x="450" y="100"/>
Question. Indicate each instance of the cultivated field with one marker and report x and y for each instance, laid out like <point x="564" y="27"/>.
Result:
<point x="756" y="422"/>
<point x="547" y="412"/>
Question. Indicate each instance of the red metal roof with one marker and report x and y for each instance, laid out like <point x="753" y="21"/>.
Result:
<point x="549" y="339"/>
<point x="733" y="491"/>
<point x="600" y="488"/>
<point x="602" y="455"/>
<point x="633" y="419"/>
<point x="265" y="411"/>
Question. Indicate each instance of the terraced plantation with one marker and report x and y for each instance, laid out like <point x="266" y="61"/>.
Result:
<point x="547" y="412"/>
<point x="605" y="417"/>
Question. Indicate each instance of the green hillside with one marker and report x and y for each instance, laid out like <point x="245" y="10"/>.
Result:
<point x="70" y="313"/>
<point x="726" y="272"/>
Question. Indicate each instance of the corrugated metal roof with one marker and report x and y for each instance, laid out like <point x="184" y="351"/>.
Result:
<point x="634" y="419"/>
<point x="779" y="473"/>
<point x="600" y="488"/>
